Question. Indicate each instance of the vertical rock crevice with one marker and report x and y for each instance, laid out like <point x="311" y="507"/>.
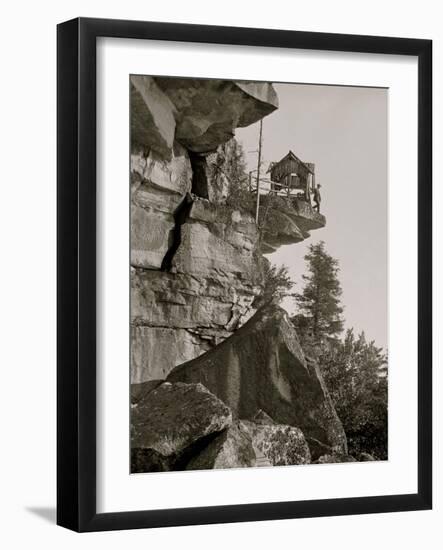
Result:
<point x="181" y="214"/>
<point x="199" y="175"/>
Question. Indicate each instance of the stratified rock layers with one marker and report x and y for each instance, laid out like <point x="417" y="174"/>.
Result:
<point x="195" y="267"/>
<point x="261" y="366"/>
<point x="195" y="262"/>
<point x="214" y="277"/>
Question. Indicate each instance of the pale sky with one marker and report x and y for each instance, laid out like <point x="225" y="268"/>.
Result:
<point x="343" y="130"/>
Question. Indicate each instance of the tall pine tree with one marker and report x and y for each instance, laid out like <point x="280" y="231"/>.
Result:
<point x="354" y="370"/>
<point x="319" y="303"/>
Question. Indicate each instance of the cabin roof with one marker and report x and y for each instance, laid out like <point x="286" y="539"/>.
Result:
<point x="292" y="156"/>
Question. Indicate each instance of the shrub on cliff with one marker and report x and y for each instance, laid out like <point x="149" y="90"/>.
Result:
<point x="355" y="374"/>
<point x="231" y="160"/>
<point x="277" y="284"/>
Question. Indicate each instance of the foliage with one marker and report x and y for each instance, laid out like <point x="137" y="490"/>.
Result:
<point x="235" y="164"/>
<point x="319" y="302"/>
<point x="354" y="370"/>
<point x="230" y="159"/>
<point x="355" y="374"/>
<point x="277" y="284"/>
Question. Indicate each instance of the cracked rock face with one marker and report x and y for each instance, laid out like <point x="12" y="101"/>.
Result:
<point x="262" y="366"/>
<point x="169" y="420"/>
<point x="195" y="269"/>
<point x="218" y="241"/>
<point x="195" y="262"/>
<point x="157" y="190"/>
<point x="209" y="291"/>
<point x="182" y="307"/>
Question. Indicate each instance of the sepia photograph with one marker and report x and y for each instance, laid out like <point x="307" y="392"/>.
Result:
<point x="259" y="274"/>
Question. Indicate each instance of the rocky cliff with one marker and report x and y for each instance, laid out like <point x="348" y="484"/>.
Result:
<point x="195" y="266"/>
<point x="197" y="290"/>
<point x="195" y="262"/>
<point x="196" y="271"/>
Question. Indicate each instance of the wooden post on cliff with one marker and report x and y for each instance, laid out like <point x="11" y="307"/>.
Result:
<point x="258" y="172"/>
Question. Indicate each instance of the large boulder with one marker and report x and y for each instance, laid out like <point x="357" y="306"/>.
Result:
<point x="251" y="444"/>
<point x="307" y="218"/>
<point x="287" y="221"/>
<point x="262" y="366"/>
<point x="231" y="449"/>
<point x="152" y="116"/>
<point x="280" y="229"/>
<point x="171" y="421"/>
<point x="281" y="445"/>
<point x="199" y="113"/>
<point x="139" y="391"/>
<point x="207" y="111"/>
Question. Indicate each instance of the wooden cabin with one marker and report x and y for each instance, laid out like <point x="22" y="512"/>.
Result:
<point x="291" y="175"/>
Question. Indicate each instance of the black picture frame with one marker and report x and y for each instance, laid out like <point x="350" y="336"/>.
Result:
<point x="76" y="279"/>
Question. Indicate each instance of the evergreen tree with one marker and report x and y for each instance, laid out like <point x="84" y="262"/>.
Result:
<point x="319" y="303"/>
<point x="354" y="370"/>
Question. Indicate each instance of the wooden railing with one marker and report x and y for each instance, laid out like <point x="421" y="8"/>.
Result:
<point x="275" y="188"/>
